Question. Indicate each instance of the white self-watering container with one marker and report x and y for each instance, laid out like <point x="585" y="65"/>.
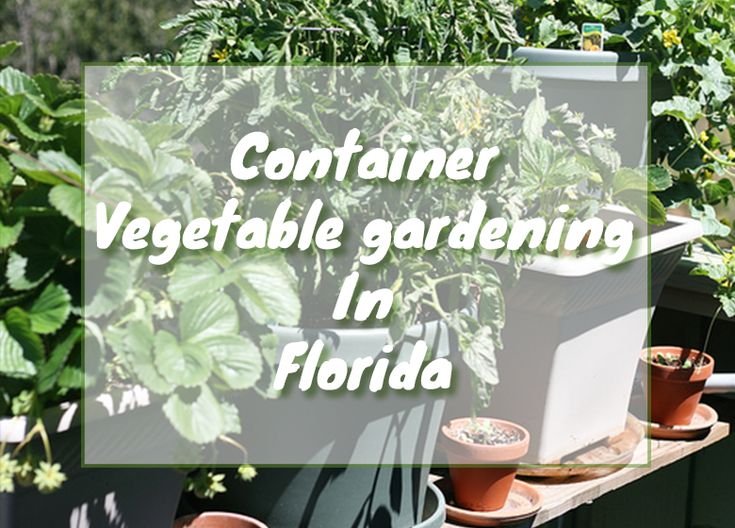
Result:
<point x="573" y="336"/>
<point x="574" y="326"/>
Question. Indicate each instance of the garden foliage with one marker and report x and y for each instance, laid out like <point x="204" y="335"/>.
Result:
<point x="40" y="257"/>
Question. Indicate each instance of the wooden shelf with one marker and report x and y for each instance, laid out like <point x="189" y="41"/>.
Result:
<point x="561" y="497"/>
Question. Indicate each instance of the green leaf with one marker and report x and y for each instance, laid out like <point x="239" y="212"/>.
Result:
<point x="186" y="364"/>
<point x="123" y="145"/>
<point x="7" y="48"/>
<point x="9" y="234"/>
<point x="69" y="109"/>
<point x="114" y="286"/>
<point x="535" y="119"/>
<point x="16" y="271"/>
<point x="69" y="201"/>
<point x="716" y="191"/>
<point x="34" y="170"/>
<point x="237" y="360"/>
<point x="679" y="107"/>
<point x="201" y="421"/>
<point x="656" y="214"/>
<point x="269" y="290"/>
<point x="715" y="271"/>
<point x="206" y="316"/>
<point x="711" y="226"/>
<point x="27" y="132"/>
<point x="134" y="345"/>
<point x="714" y="82"/>
<point x="728" y="304"/>
<point x="402" y="56"/>
<point x="232" y="418"/>
<point x="73" y="378"/>
<point x="51" y="370"/>
<point x="50" y="310"/>
<point x="268" y="287"/>
<point x="53" y="88"/>
<point x="627" y="179"/>
<point x="479" y="356"/>
<point x="16" y="82"/>
<point x="11" y="104"/>
<point x="61" y="162"/>
<point x="659" y="178"/>
<point x="18" y="324"/>
<point x="51" y="167"/>
<point x="645" y="205"/>
<point x="189" y="280"/>
<point x="13" y="363"/>
<point x="6" y="172"/>
<point x="158" y="132"/>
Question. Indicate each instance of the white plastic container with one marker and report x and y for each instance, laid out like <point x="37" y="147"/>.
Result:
<point x="573" y="336"/>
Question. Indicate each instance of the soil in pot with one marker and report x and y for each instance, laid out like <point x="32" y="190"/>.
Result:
<point x="678" y="376"/>
<point x="483" y="455"/>
<point x="218" y="520"/>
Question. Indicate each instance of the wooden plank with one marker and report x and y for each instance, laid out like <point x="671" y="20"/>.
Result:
<point x="561" y="497"/>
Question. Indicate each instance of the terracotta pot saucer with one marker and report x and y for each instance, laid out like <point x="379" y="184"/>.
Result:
<point x="523" y="502"/>
<point x="217" y="520"/>
<point x="702" y="421"/>
<point x="596" y="461"/>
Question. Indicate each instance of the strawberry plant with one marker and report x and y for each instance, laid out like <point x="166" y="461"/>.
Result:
<point x="40" y="243"/>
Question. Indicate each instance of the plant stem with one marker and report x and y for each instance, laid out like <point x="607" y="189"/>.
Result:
<point x="714" y="247"/>
<point x="709" y="332"/>
<point x="234" y="443"/>
<point x="695" y="137"/>
<point x="44" y="440"/>
<point x="29" y="436"/>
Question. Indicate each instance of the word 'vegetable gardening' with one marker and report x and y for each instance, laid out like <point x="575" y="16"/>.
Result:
<point x="378" y="235"/>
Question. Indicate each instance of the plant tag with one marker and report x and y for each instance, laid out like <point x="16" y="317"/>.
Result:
<point x="593" y="36"/>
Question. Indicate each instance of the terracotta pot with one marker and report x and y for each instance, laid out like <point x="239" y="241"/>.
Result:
<point x="675" y="392"/>
<point x="218" y="520"/>
<point x="482" y="488"/>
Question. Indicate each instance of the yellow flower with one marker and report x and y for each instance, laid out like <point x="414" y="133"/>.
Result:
<point x="703" y="136"/>
<point x="220" y="55"/>
<point x="48" y="477"/>
<point x="671" y="38"/>
<point x="246" y="472"/>
<point x="731" y="154"/>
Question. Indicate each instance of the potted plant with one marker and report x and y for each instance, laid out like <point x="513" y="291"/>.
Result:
<point x="471" y="443"/>
<point x="677" y="379"/>
<point x="678" y="375"/>
<point x="41" y="333"/>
